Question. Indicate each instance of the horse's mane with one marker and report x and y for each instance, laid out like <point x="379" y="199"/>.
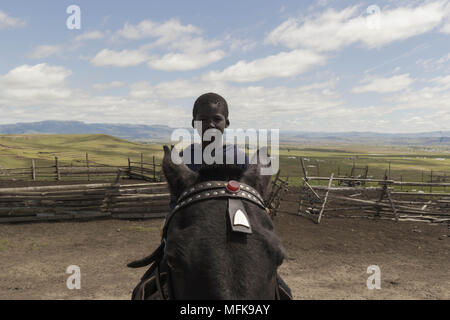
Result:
<point x="223" y="172"/>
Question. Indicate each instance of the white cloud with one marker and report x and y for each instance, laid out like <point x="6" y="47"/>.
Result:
<point x="7" y="21"/>
<point x="252" y="106"/>
<point x="333" y="30"/>
<point x="92" y="35"/>
<point x="124" y="58"/>
<point x="41" y="92"/>
<point x="190" y="54"/>
<point x="33" y="93"/>
<point x="385" y="85"/>
<point x="30" y="83"/>
<point x="176" y="48"/>
<point x="108" y="85"/>
<point x="45" y="51"/>
<point x="185" y="61"/>
<point x="165" y="32"/>
<point x="283" y="64"/>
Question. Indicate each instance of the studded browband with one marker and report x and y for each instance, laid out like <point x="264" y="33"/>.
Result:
<point x="219" y="189"/>
<point x="213" y="190"/>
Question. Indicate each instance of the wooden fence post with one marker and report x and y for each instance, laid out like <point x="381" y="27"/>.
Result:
<point x="33" y="170"/>
<point x="154" y="169"/>
<point x="58" y="176"/>
<point x="431" y="181"/>
<point x="445" y="181"/>
<point x="326" y="198"/>
<point x="87" y="166"/>
<point x="389" y="175"/>
<point x="305" y="174"/>
<point x="119" y="172"/>
<point x="142" y="165"/>
<point x="383" y="193"/>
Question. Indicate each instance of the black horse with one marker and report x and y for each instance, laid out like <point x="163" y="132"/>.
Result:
<point x="218" y="242"/>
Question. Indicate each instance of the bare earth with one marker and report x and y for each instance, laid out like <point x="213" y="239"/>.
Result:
<point x="326" y="261"/>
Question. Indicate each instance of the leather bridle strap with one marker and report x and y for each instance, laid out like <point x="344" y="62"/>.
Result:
<point x="213" y="190"/>
<point x="213" y="185"/>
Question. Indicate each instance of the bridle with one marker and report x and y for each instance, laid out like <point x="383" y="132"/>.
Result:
<point x="234" y="191"/>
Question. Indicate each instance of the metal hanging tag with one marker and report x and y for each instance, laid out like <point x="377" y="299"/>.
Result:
<point x="238" y="218"/>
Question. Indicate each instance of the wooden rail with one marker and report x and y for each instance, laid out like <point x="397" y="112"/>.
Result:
<point x="62" y="202"/>
<point x="375" y="201"/>
<point x="149" y="171"/>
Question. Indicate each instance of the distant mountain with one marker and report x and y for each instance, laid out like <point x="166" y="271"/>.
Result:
<point x="420" y="138"/>
<point x="163" y="133"/>
<point x="125" y="131"/>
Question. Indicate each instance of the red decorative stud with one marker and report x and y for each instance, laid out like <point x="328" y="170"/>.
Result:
<point x="232" y="186"/>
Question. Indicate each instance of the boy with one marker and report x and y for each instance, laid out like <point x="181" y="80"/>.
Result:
<point x="212" y="111"/>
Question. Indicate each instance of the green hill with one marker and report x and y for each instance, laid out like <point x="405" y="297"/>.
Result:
<point x="16" y="151"/>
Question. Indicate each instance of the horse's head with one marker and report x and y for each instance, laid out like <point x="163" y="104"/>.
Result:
<point x="208" y="255"/>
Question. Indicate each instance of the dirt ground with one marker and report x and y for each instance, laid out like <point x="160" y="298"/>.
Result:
<point x="326" y="261"/>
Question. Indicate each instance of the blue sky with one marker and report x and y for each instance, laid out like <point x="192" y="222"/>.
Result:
<point x="309" y="66"/>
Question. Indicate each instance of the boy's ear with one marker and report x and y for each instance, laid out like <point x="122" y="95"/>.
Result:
<point x="227" y="123"/>
<point x="178" y="176"/>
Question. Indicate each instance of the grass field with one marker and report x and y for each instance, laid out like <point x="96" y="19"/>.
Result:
<point x="407" y="163"/>
<point x="16" y="151"/>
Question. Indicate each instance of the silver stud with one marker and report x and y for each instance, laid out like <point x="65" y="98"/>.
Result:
<point x="189" y="200"/>
<point x="247" y="188"/>
<point x="222" y="191"/>
<point x="219" y="184"/>
<point x="192" y="189"/>
<point x="214" y="193"/>
<point x="198" y="196"/>
<point x="209" y="184"/>
<point x="182" y="203"/>
<point x="207" y="194"/>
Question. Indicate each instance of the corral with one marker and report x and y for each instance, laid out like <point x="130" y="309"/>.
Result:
<point x="324" y="261"/>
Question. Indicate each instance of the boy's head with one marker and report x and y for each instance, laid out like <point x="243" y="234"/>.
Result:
<point x="212" y="110"/>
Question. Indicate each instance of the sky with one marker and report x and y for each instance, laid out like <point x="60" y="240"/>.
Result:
<point x="328" y="66"/>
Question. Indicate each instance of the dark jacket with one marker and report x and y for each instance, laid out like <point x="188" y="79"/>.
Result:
<point x="238" y="155"/>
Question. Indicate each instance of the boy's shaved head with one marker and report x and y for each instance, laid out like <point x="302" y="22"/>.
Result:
<point x="207" y="99"/>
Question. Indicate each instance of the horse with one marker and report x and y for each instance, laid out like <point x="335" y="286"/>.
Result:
<point x="219" y="241"/>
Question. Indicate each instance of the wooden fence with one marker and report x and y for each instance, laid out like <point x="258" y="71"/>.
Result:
<point x="89" y="171"/>
<point x="84" y="201"/>
<point x="150" y="171"/>
<point x="381" y="201"/>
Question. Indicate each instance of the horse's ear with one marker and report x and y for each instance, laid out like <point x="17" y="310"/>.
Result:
<point x="253" y="177"/>
<point x="179" y="176"/>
